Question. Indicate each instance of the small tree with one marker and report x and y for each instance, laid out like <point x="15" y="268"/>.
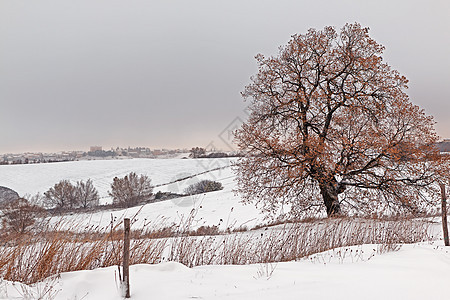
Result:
<point x="131" y="190"/>
<point x="19" y="215"/>
<point x="197" y="152"/>
<point x="203" y="186"/>
<point x="62" y="195"/>
<point x="86" y="194"/>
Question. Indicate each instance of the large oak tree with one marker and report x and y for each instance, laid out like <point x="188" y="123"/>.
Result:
<point x="331" y="126"/>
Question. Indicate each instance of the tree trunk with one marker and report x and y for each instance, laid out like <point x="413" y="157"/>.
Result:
<point x="330" y="198"/>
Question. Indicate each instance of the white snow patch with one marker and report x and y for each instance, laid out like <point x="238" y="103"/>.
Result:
<point x="418" y="271"/>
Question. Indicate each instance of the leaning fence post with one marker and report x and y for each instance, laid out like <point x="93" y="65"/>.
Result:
<point x="126" y="257"/>
<point x="444" y="215"/>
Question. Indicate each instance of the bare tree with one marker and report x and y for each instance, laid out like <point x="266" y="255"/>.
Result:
<point x="19" y="215"/>
<point x="131" y="190"/>
<point x="197" y="152"/>
<point x="332" y="126"/>
<point x="62" y="195"/>
<point x="86" y="194"/>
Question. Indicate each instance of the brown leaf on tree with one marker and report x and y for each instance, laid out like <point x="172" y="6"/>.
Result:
<point x="331" y="125"/>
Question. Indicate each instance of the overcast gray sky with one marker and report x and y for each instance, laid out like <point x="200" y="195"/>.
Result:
<point x="169" y="73"/>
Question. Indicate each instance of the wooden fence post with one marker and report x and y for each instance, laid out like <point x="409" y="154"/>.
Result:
<point x="126" y="257"/>
<point x="444" y="215"/>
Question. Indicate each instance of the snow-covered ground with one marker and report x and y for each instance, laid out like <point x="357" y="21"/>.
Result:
<point x="222" y="208"/>
<point x="38" y="178"/>
<point x="418" y="271"/>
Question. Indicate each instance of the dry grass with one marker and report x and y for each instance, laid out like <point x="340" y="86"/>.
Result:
<point x="30" y="258"/>
<point x="296" y="240"/>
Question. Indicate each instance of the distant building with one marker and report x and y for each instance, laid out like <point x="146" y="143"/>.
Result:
<point x="157" y="152"/>
<point x="95" y="148"/>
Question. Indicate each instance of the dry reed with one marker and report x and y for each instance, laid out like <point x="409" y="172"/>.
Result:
<point x="30" y="258"/>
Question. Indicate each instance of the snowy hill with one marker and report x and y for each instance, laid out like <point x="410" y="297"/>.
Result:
<point x="221" y="208"/>
<point x="34" y="178"/>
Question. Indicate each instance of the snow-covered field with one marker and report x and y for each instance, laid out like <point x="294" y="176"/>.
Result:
<point x="221" y="208"/>
<point x="38" y="178"/>
<point x="418" y="271"/>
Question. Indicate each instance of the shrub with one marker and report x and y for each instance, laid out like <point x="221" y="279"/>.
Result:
<point x="86" y="194"/>
<point x="65" y="195"/>
<point x="197" y="152"/>
<point x="19" y="215"/>
<point x="62" y="195"/>
<point x="205" y="230"/>
<point x="7" y="195"/>
<point x="203" y="186"/>
<point x="160" y="196"/>
<point x="131" y="190"/>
